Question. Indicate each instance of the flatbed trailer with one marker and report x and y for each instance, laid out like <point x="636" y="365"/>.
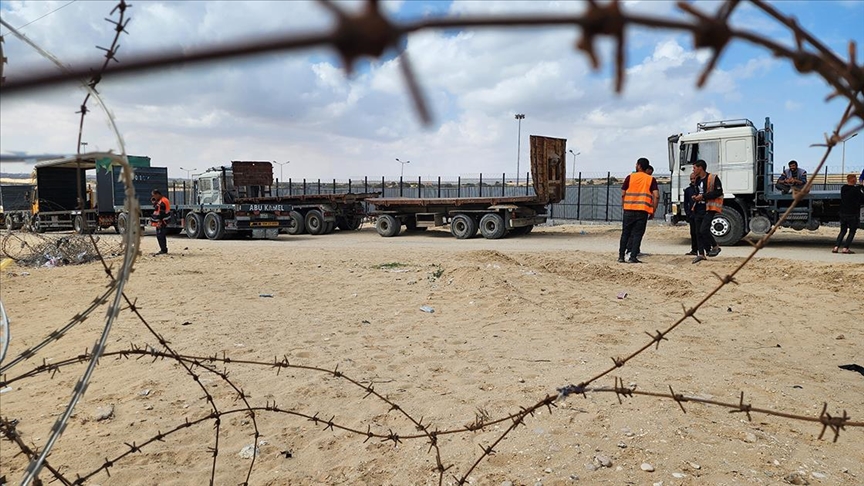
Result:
<point x="493" y="216"/>
<point x="318" y="214"/>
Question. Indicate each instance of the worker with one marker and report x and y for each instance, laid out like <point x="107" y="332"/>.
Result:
<point x="159" y="219"/>
<point x="639" y="197"/>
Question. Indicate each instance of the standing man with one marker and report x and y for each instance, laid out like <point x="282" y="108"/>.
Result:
<point x="708" y="202"/>
<point x="639" y="196"/>
<point x="851" y="200"/>
<point x="159" y="219"/>
<point x="650" y="172"/>
<point x="792" y="178"/>
<point x="689" y="192"/>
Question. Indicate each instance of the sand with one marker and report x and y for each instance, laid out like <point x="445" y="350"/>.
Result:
<point x="514" y="320"/>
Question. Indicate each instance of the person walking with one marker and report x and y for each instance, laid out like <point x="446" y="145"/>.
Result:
<point x="639" y="197"/>
<point x="708" y="202"/>
<point x="689" y="192"/>
<point x="851" y="200"/>
<point x="159" y="219"/>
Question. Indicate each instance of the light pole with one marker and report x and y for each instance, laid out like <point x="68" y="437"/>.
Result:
<point x="519" y="118"/>
<point x="280" y="167"/>
<point x="84" y="146"/>
<point x="843" y="161"/>
<point x="401" y="174"/>
<point x="574" y="164"/>
<point x="188" y="172"/>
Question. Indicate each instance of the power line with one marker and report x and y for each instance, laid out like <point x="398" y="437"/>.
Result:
<point x="47" y="14"/>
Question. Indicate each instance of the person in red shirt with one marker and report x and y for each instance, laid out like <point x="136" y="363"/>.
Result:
<point x="159" y="219"/>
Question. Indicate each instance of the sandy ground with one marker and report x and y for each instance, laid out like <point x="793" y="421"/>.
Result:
<point x="513" y="320"/>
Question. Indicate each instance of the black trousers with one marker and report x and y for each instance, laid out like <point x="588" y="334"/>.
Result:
<point x="705" y="239"/>
<point x="633" y="226"/>
<point x="694" y="234"/>
<point x="848" y="222"/>
<point x="161" y="232"/>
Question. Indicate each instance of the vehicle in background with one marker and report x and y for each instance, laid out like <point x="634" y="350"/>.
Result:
<point x="63" y="199"/>
<point x="233" y="201"/>
<point x="493" y="216"/>
<point x="743" y="157"/>
<point x="14" y="205"/>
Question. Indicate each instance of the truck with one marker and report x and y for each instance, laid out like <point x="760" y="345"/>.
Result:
<point x="61" y="197"/>
<point x="14" y="205"/>
<point x="742" y="155"/>
<point x="232" y="201"/>
<point x="493" y="216"/>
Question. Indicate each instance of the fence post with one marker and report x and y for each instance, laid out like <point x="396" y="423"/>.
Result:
<point x="319" y="187"/>
<point x="400" y="186"/>
<point x="481" y="184"/>
<point x="503" y="183"/>
<point x="608" y="190"/>
<point x="290" y="183"/>
<point x="579" y="196"/>
<point x="349" y="185"/>
<point x="304" y="186"/>
<point x="527" y="176"/>
<point x="825" y="183"/>
<point x="439" y="186"/>
<point x="382" y="186"/>
<point x="419" y="186"/>
<point x="334" y="186"/>
<point x="459" y="187"/>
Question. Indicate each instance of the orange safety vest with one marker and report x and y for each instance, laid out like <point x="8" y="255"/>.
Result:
<point x="714" y="205"/>
<point x="159" y="203"/>
<point x="638" y="196"/>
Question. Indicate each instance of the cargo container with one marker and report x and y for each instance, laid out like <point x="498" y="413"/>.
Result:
<point x="494" y="217"/>
<point x="14" y="204"/>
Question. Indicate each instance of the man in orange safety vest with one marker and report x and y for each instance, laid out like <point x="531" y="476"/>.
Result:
<point x="640" y="197"/>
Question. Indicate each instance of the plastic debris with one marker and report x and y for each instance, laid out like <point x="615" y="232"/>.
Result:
<point x="622" y="295"/>
<point x="428" y="309"/>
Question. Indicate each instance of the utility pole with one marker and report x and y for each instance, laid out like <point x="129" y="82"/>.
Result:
<point x="402" y="173"/>
<point x="574" y="165"/>
<point x="519" y="118"/>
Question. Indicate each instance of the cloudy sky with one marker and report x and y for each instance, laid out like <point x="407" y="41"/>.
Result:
<point x="300" y="106"/>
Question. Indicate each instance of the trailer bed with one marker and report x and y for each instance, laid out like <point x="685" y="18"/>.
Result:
<point x="457" y="202"/>
<point x="346" y="197"/>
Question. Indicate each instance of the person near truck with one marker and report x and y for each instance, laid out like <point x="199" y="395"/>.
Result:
<point x="689" y="192"/>
<point x="792" y="178"/>
<point x="708" y="202"/>
<point x="159" y="219"/>
<point x="639" y="197"/>
<point x="650" y="172"/>
<point x="851" y="200"/>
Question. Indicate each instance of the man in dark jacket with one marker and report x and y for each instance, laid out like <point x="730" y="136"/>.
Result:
<point x="689" y="192"/>
<point x="851" y="200"/>
<point x="707" y="202"/>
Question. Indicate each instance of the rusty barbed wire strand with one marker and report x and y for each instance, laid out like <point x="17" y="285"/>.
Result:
<point x="604" y="20"/>
<point x="370" y="33"/>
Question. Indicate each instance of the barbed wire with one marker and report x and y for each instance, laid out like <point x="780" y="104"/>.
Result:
<point x="369" y="33"/>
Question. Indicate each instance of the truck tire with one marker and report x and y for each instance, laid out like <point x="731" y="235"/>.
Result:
<point x="122" y="223"/>
<point x="9" y="223"/>
<point x="315" y="223"/>
<point x="349" y="224"/>
<point x="388" y="225"/>
<point x="296" y="226"/>
<point x="78" y="224"/>
<point x="214" y="226"/>
<point x="492" y="226"/>
<point x="463" y="226"/>
<point x="194" y="226"/>
<point x="727" y="227"/>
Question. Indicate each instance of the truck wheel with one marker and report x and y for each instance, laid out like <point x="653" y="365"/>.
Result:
<point x="522" y="230"/>
<point x="78" y="224"/>
<point x="296" y="226"/>
<point x="463" y="226"/>
<point x="492" y="226"/>
<point x="727" y="227"/>
<point x="214" y="226"/>
<point x="194" y="226"/>
<point x="349" y="224"/>
<point x="387" y="225"/>
<point x="10" y="224"/>
<point x="315" y="224"/>
<point x="122" y="224"/>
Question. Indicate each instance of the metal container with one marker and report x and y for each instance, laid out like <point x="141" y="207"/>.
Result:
<point x="59" y="188"/>
<point x="15" y="197"/>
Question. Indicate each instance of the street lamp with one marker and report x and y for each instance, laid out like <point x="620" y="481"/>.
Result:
<point x="280" y="167"/>
<point x="401" y="174"/>
<point x="519" y="118"/>
<point x="84" y="146"/>
<point x="188" y="172"/>
<point x="574" y="164"/>
<point x="843" y="162"/>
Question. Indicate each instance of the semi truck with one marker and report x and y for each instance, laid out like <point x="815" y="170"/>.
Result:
<point x="14" y="205"/>
<point x="63" y="196"/>
<point x="743" y="157"/>
<point x="232" y="201"/>
<point x="493" y="216"/>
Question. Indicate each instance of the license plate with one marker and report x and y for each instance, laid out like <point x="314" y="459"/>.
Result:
<point x="263" y="223"/>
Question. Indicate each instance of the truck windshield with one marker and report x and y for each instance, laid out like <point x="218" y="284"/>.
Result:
<point x="709" y="151"/>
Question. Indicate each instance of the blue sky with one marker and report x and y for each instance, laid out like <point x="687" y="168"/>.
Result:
<point x="300" y="107"/>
